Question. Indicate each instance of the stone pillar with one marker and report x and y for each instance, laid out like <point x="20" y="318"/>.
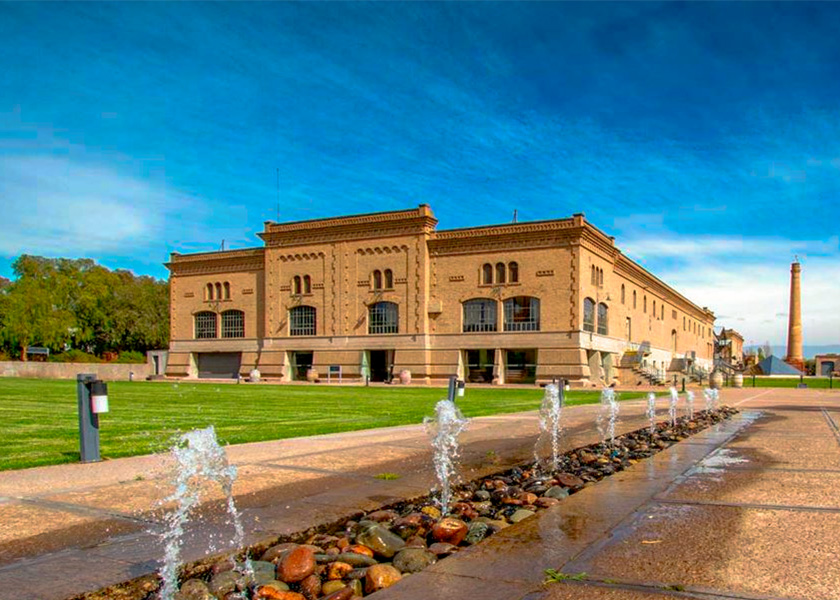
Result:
<point x="794" y="346"/>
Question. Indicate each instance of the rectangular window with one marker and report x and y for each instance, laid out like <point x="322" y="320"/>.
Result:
<point x="233" y="324"/>
<point x="205" y="325"/>
<point x="302" y="320"/>
<point x="629" y="328"/>
<point x="383" y="317"/>
<point x="522" y="314"/>
<point x="479" y="315"/>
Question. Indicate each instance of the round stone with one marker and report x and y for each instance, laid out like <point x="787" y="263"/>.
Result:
<point x="412" y="560"/>
<point x="521" y="515"/>
<point x="450" y="530"/>
<point x="379" y="539"/>
<point x="558" y="492"/>
<point x="328" y="587"/>
<point x="476" y="532"/>
<point x="296" y="565"/>
<point x="379" y="577"/>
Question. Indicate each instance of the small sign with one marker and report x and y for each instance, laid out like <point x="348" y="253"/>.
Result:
<point x="334" y="371"/>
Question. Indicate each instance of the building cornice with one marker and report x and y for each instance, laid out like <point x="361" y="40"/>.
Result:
<point x="248" y="259"/>
<point x="417" y="221"/>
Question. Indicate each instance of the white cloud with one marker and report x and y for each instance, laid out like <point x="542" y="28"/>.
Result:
<point x="747" y="281"/>
<point x="57" y="205"/>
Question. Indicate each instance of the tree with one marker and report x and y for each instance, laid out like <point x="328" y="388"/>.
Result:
<point x="75" y="303"/>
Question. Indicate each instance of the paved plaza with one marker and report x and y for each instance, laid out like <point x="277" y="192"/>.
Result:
<point x="745" y="509"/>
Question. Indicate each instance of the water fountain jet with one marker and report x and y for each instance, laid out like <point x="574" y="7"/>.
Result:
<point x="550" y="428"/>
<point x="607" y="415"/>
<point x="672" y="406"/>
<point x="651" y="412"/>
<point x="444" y="429"/>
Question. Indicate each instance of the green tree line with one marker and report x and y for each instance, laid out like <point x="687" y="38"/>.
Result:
<point x="64" y="304"/>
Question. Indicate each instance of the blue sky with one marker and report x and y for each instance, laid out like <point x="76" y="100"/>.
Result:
<point x="704" y="136"/>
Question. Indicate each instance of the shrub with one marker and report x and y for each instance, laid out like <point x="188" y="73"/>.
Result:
<point x="131" y="357"/>
<point x="75" y="356"/>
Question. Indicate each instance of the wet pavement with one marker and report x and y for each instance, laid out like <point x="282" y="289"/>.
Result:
<point x="746" y="509"/>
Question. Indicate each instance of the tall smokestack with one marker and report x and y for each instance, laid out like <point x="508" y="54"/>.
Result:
<point x="794" y="346"/>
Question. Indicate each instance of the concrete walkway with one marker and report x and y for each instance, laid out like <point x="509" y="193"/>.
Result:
<point x="69" y="529"/>
<point x="748" y="509"/>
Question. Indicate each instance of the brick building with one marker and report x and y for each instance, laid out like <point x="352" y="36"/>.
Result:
<point x="379" y="293"/>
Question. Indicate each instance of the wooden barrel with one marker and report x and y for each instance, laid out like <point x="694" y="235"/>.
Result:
<point x="738" y="380"/>
<point x="716" y="380"/>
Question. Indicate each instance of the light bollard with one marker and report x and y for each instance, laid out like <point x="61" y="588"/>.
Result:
<point x="92" y="395"/>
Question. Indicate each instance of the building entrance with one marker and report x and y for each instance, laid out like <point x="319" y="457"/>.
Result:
<point x="381" y="365"/>
<point x="520" y="366"/>
<point x="480" y="365"/>
<point x="301" y="362"/>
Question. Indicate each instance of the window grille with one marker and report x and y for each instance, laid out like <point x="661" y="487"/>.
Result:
<point x="383" y="317"/>
<point x="588" y="314"/>
<point x="205" y="325"/>
<point x="602" y="319"/>
<point x="479" y="315"/>
<point x="522" y="314"/>
<point x="233" y="324"/>
<point x="302" y="320"/>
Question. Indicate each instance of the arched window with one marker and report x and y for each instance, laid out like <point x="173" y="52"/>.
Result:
<point x="673" y="340"/>
<point x="622" y="293"/>
<point x="479" y="315"/>
<point x="383" y="317"/>
<point x="233" y="324"/>
<point x="683" y="323"/>
<point x="487" y="274"/>
<point x="589" y="314"/>
<point x="644" y="305"/>
<point x="654" y="309"/>
<point x="634" y="298"/>
<point x="662" y="312"/>
<point x="513" y="272"/>
<point x="218" y="291"/>
<point x="389" y="279"/>
<point x="594" y="276"/>
<point x="600" y="277"/>
<point x="602" y="319"/>
<point x="307" y="284"/>
<point x="522" y="313"/>
<point x="296" y="286"/>
<point x="500" y="272"/>
<point x="227" y="290"/>
<point x="205" y="324"/>
<point x="208" y="291"/>
<point x="302" y="320"/>
<point x="377" y="279"/>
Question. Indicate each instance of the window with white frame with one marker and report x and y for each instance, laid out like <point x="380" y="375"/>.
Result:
<point x="522" y="313"/>
<point x="479" y="315"/>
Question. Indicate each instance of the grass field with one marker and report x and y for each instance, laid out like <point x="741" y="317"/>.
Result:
<point x="40" y="421"/>
<point x="818" y="383"/>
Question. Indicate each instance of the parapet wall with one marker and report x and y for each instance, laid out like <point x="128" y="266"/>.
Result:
<point x="46" y="370"/>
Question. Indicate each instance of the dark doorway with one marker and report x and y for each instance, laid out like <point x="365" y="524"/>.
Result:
<point x="301" y="363"/>
<point x="381" y="365"/>
<point x="219" y="365"/>
<point x="521" y="366"/>
<point x="480" y="365"/>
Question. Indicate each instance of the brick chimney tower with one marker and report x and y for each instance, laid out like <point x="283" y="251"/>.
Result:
<point x="794" y="346"/>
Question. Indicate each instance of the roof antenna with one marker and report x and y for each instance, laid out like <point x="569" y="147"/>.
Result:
<point x="514" y="215"/>
<point x="278" y="194"/>
<point x="223" y="245"/>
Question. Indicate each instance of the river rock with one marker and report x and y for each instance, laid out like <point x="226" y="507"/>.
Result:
<point x="195" y="589"/>
<point x="380" y="577"/>
<point x="273" y="590"/>
<point x="345" y="592"/>
<point x="278" y="595"/>
<point x="412" y="560"/>
<point x="296" y="565"/>
<point x="274" y="553"/>
<point x="558" y="492"/>
<point x="263" y="571"/>
<point x="351" y="558"/>
<point x="546" y="502"/>
<point x="380" y="540"/>
<point x="328" y="587"/>
<point x="226" y="564"/>
<point x="224" y="582"/>
<point x="359" y="549"/>
<point x="442" y="549"/>
<point x="383" y="516"/>
<point x="521" y="515"/>
<point x="568" y="480"/>
<point x="477" y="531"/>
<point x="481" y="495"/>
<point x="449" y="530"/>
<point x="432" y="511"/>
<point x="338" y="570"/>
<point x="311" y="587"/>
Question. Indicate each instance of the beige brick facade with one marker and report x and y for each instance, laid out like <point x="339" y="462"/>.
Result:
<point x="502" y="303"/>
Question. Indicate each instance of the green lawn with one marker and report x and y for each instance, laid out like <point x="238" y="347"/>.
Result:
<point x="820" y="383"/>
<point x="41" y="423"/>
